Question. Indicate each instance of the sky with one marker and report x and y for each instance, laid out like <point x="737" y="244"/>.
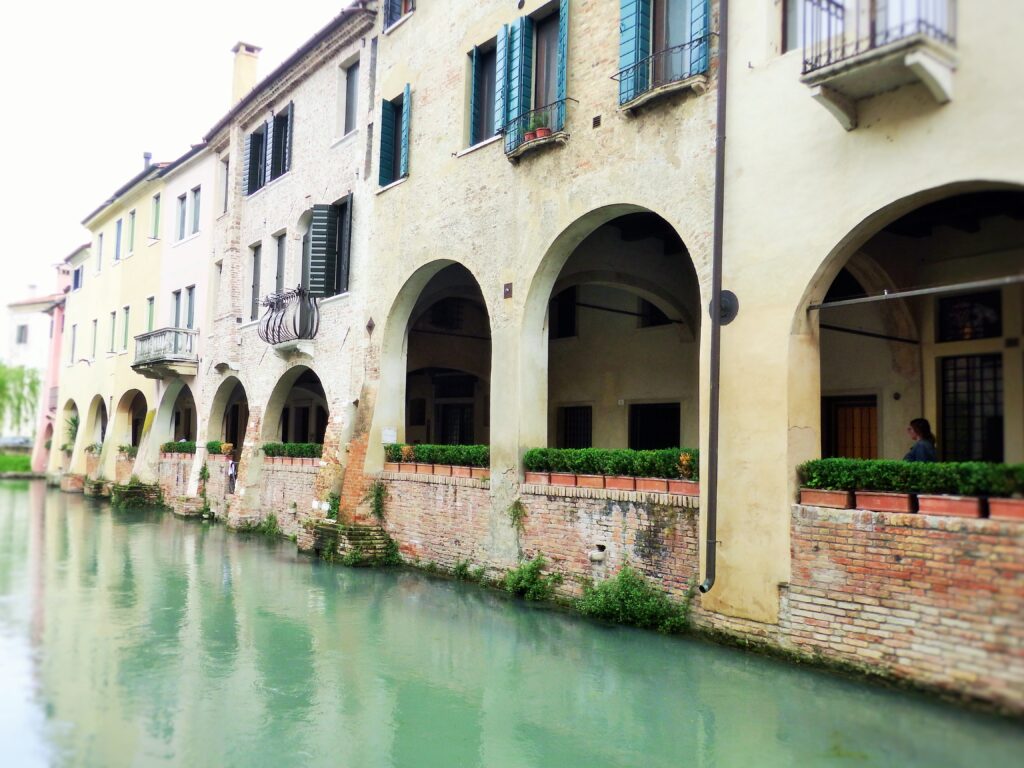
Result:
<point x="89" y="86"/>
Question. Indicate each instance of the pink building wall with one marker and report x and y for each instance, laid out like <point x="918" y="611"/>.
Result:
<point x="46" y="421"/>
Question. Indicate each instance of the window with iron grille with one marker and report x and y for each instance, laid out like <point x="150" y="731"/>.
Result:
<point x="653" y="425"/>
<point x="970" y="316"/>
<point x="575" y="426"/>
<point x="971" y="408"/>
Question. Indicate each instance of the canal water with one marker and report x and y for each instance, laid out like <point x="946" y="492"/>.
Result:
<point x="139" y="639"/>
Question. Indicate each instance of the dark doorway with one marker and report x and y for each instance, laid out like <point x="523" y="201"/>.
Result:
<point x="849" y="427"/>
<point x="653" y="425"/>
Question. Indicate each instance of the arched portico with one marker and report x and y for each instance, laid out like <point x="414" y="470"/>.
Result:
<point x="297" y="410"/>
<point x="229" y="414"/>
<point x="129" y="427"/>
<point x="71" y="440"/>
<point x="95" y="432"/>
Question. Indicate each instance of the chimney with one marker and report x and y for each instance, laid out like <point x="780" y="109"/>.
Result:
<point x="147" y="160"/>
<point x="244" y="76"/>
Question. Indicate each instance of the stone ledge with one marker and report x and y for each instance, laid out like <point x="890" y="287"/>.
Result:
<point x="806" y="514"/>
<point x="640" y="497"/>
<point x="465" y="482"/>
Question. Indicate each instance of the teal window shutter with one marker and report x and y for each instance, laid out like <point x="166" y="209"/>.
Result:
<point x="290" y="110"/>
<point x="344" y="245"/>
<point x="323" y="251"/>
<point x="268" y="146"/>
<point x="387" y="144"/>
<point x="501" y="80"/>
<point x="698" y="36"/>
<point x="520" y="67"/>
<point x="563" y="62"/>
<point x="474" y="68"/>
<point x="246" y="181"/>
<point x="634" y="48"/>
<point x="403" y="165"/>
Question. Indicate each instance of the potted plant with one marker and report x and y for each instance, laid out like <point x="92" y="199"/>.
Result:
<point x="1007" y="501"/>
<point x="541" y="124"/>
<point x="686" y="485"/>
<point x="459" y="470"/>
<point x="827" y="483"/>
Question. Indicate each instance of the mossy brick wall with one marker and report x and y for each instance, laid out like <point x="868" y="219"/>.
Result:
<point x="287" y="492"/>
<point x="936" y="600"/>
<point x="173" y="473"/>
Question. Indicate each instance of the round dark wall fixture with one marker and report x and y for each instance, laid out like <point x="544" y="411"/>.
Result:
<point x="729" y="307"/>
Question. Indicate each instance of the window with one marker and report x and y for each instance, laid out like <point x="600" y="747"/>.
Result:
<point x="660" y="41"/>
<point x="971" y="408"/>
<point x="150" y="312"/>
<point x="396" y="9"/>
<point x="329" y="246"/>
<point x="176" y="309"/>
<point x="394" y="138"/>
<point x="481" y="105"/>
<point x="792" y="25"/>
<point x="254" y="311"/>
<point x="156" y="216"/>
<point x="74" y="341"/>
<point x="190" y="307"/>
<point x="225" y="167"/>
<point x="279" y="277"/>
<point x="562" y="314"/>
<point x="95" y="337"/>
<point x="124" y="338"/>
<point x="99" y="251"/>
<point x="351" y="97"/>
<point x="117" y="240"/>
<point x="971" y="316"/>
<point x="131" y="231"/>
<point x="113" y="330"/>
<point x="575" y="428"/>
<point x="76" y="278"/>
<point x="268" y="151"/>
<point x="182" y="203"/>
<point x="22" y="335"/>
<point x="653" y="426"/>
<point x="546" y="61"/>
<point x="195" y="210"/>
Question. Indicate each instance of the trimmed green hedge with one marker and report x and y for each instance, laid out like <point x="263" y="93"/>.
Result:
<point x="15" y="462"/>
<point x="214" y="446"/>
<point x="294" y="450"/>
<point x="964" y="478"/>
<point x="665" y="462"/>
<point x="455" y="455"/>
<point x="184" y="446"/>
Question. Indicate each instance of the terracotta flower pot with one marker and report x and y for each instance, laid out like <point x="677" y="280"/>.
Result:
<point x="563" y="478"/>
<point x="444" y="470"/>
<point x="408" y="467"/>
<point x="816" y="497"/>
<point x="956" y="506"/>
<point x="392" y="466"/>
<point x="424" y="469"/>
<point x="590" y="481"/>
<point x="876" y="501"/>
<point x="620" y="483"/>
<point x="684" y="487"/>
<point x="1006" y="509"/>
<point x="480" y="473"/>
<point x="529" y="136"/>
<point x="462" y="471"/>
<point x="652" y="484"/>
<point x="538" y="478"/>
<point x="543" y="133"/>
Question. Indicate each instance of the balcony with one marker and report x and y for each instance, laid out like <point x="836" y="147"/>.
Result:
<point x="291" y="321"/>
<point x="855" y="49"/>
<point x="536" y="129"/>
<point x="167" y="352"/>
<point x="677" y="69"/>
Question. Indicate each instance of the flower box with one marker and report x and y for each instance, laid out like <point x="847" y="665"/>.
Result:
<point x="590" y="481"/>
<point x="816" y="497"/>
<point x="876" y="501"/>
<point x="620" y="483"/>
<point x="408" y="467"/>
<point x="539" y="478"/>
<point x="684" y="487"/>
<point x="1006" y="509"/>
<point x="480" y="473"/>
<point x="955" y="506"/>
<point x="563" y="478"/>
<point x="652" y="484"/>
<point x="462" y="471"/>
<point x="424" y="469"/>
<point x="444" y="470"/>
<point x="392" y="466"/>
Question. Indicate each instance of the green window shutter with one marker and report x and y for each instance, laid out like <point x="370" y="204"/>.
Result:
<point x="323" y="251"/>
<point x="563" y="63"/>
<point x="474" y="68"/>
<point x="520" y="67"/>
<point x="403" y="161"/>
<point x="501" y="79"/>
<point x="290" y="111"/>
<point x="268" y="153"/>
<point x="634" y="47"/>
<point x="392" y="12"/>
<point x="246" y="185"/>
<point x="344" y="244"/>
<point x="698" y="36"/>
<point x="387" y="144"/>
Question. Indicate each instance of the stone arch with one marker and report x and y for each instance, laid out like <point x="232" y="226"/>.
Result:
<point x="176" y="415"/>
<point x="229" y="414"/>
<point x="96" y="421"/>
<point x="72" y="438"/>
<point x="280" y="424"/>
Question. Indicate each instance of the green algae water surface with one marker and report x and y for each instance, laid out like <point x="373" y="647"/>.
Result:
<point x="136" y="639"/>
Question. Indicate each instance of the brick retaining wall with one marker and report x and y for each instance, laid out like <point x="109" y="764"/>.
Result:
<point x="288" y="492"/>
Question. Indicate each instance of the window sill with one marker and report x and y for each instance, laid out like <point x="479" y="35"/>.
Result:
<point x="186" y="239"/>
<point x="697" y="83"/>
<point x="399" y="23"/>
<point x="555" y="139"/>
<point x="333" y="299"/>
<point x="479" y="145"/>
<point x="392" y="185"/>
<point x="267" y="185"/>
<point x="344" y="139"/>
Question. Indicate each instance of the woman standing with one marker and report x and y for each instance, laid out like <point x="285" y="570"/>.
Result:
<point x="920" y="432"/>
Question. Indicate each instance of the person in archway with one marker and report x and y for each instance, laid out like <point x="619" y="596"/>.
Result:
<point x="920" y="432"/>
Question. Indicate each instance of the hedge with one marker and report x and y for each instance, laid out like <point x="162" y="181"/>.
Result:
<point x="214" y="446"/>
<point x="670" y="463"/>
<point x="455" y="455"/>
<point x="182" y="446"/>
<point x="964" y="478"/>
<point x="15" y="462"/>
<point x="294" y="450"/>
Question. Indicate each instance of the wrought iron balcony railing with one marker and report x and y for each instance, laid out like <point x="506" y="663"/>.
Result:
<point x="672" y="65"/>
<point x="290" y="316"/>
<point x="536" y="125"/>
<point x="166" y="345"/>
<point x="837" y="30"/>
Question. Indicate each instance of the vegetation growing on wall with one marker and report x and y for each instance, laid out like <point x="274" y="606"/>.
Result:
<point x="376" y="495"/>
<point x="672" y="463"/>
<point x="528" y="581"/>
<point x="965" y="478"/>
<point x="294" y="450"/>
<point x="454" y="455"/>
<point x="517" y="515"/>
<point x="628" y="598"/>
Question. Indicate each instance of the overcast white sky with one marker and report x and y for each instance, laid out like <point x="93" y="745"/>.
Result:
<point x="89" y="86"/>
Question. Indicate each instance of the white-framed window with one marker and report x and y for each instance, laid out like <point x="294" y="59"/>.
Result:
<point x="21" y="335"/>
<point x="195" y="210"/>
<point x="150" y="312"/>
<point x="76" y="278"/>
<point x="74" y="341"/>
<point x="113" y="331"/>
<point x="131" y="232"/>
<point x="225" y="168"/>
<point x="99" y="251"/>
<point x="117" y="239"/>
<point x="124" y="336"/>
<point x="95" y="335"/>
<point x="182" y="206"/>
<point x="156" y="217"/>
<point x="348" y="97"/>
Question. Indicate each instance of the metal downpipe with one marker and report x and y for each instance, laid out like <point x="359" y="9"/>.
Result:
<point x="710" y="543"/>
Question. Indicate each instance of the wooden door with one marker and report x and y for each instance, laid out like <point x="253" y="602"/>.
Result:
<point x="849" y="427"/>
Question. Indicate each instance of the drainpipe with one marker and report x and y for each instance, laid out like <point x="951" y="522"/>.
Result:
<point x="716" y="302"/>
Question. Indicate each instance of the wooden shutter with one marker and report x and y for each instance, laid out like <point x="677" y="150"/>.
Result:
<point x="474" y="108"/>
<point x="392" y="12"/>
<point x="268" y="151"/>
<point x="634" y="47"/>
<point x="323" y="251"/>
<point x="698" y="36"/>
<point x="501" y="80"/>
<point x="387" y="144"/>
<point x="246" y="181"/>
<point x="403" y="160"/>
<point x="563" y="57"/>
<point x="520" y="67"/>
<point x="254" y="309"/>
<point x="289" y="131"/>
<point x="344" y="244"/>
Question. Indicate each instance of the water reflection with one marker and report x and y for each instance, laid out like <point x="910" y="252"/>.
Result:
<point x="137" y="639"/>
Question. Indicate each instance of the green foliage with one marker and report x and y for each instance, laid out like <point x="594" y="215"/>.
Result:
<point x="19" y="391"/>
<point x="628" y="598"/>
<point x="431" y="567"/>
<point x="204" y="474"/>
<point x="94" y="448"/>
<point x="71" y="425"/>
<point x="965" y="478"/>
<point x="461" y="570"/>
<point x="376" y="495"/>
<point x="528" y="581"/>
<point x="294" y="450"/>
<point x="131" y="451"/>
<point x="455" y="455"/>
<point x="666" y="462"/>
<point x="517" y="515"/>
<point x="214" y="446"/>
<point x="15" y="462"/>
<point x="478" y="574"/>
<point x="182" y="446"/>
<point x="334" y="502"/>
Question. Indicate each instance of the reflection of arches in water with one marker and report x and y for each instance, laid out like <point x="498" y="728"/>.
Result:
<point x="297" y="411"/>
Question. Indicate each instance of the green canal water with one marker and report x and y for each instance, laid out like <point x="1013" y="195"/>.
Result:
<point x="138" y="639"/>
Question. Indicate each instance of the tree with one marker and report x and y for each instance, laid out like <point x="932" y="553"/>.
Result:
<point x="19" y="390"/>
